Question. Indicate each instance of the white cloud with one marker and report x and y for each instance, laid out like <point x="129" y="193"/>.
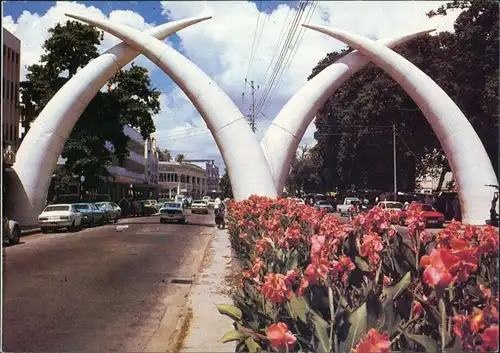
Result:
<point x="221" y="47"/>
<point x="32" y="29"/>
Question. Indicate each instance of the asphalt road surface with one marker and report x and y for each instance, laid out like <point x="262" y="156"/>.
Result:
<point x="98" y="290"/>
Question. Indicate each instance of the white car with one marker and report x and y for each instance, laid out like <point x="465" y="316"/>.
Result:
<point x="60" y="216"/>
<point x="172" y="211"/>
<point x="211" y="204"/>
<point x="324" y="205"/>
<point x="390" y="205"/>
<point x="199" y="206"/>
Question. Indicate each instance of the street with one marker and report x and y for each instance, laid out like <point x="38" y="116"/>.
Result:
<point x="100" y="289"/>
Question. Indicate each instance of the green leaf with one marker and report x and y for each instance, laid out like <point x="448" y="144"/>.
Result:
<point x="231" y="311"/>
<point x="392" y="292"/>
<point x="293" y="259"/>
<point x="362" y="264"/>
<point x="233" y="335"/>
<point x="299" y="308"/>
<point x="428" y="343"/>
<point x="369" y="315"/>
<point x="252" y="346"/>
<point x="321" y="333"/>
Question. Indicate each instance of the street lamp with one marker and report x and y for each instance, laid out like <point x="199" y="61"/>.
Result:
<point x="82" y="180"/>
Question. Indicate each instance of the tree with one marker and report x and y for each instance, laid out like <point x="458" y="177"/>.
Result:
<point x="348" y="154"/>
<point x="303" y="176"/>
<point x="225" y="186"/>
<point x="164" y="156"/>
<point x="130" y="100"/>
<point x="180" y="158"/>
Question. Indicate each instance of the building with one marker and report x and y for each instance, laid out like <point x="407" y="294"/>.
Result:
<point x="429" y="183"/>
<point x="212" y="176"/>
<point x="11" y="109"/>
<point x="133" y="176"/>
<point x="181" y="179"/>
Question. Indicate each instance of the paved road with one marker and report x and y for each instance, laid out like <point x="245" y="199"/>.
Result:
<point x="98" y="290"/>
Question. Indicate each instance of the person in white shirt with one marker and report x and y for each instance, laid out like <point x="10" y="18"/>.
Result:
<point x="217" y="203"/>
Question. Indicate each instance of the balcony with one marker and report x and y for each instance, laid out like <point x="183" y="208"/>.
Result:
<point x="122" y="174"/>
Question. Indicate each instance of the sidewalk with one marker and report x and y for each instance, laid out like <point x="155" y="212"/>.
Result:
<point x="207" y="326"/>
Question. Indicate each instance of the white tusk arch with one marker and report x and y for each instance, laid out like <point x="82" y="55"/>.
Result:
<point x="246" y="164"/>
<point x="468" y="159"/>
<point x="37" y="156"/>
<point x="283" y="137"/>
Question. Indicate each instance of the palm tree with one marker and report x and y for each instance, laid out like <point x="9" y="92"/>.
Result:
<point x="180" y="158"/>
<point x="164" y="156"/>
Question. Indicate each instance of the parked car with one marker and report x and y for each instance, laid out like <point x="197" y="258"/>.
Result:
<point x="91" y="215"/>
<point x="60" y="216"/>
<point x="11" y="231"/>
<point x="199" y="206"/>
<point x="112" y="211"/>
<point x="173" y="211"/>
<point x="320" y="205"/>
<point x="343" y="209"/>
<point x="431" y="216"/>
<point x="390" y="205"/>
<point x="147" y="209"/>
<point x="211" y="204"/>
<point x="152" y="203"/>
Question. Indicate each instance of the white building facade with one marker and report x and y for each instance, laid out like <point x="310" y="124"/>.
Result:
<point x="181" y="179"/>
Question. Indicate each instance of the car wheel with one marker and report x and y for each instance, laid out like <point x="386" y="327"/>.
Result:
<point x="116" y="219"/>
<point x="72" y="228"/>
<point x="44" y="230"/>
<point x="16" y="236"/>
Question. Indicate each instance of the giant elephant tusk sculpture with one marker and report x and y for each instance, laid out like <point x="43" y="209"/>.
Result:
<point x="282" y="139"/>
<point x="249" y="172"/>
<point x="37" y="156"/>
<point x="468" y="159"/>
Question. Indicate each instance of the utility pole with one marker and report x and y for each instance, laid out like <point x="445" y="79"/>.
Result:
<point x="395" y="164"/>
<point x="252" y="108"/>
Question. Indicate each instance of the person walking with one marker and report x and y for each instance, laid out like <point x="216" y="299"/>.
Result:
<point x="493" y="211"/>
<point x="217" y="203"/>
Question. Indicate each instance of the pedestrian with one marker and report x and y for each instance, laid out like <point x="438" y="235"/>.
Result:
<point x="493" y="211"/>
<point x="217" y="203"/>
<point x="457" y="214"/>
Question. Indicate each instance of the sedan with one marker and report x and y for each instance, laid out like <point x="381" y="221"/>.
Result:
<point x="431" y="216"/>
<point x="112" y="211"/>
<point x="92" y="216"/>
<point x="172" y="211"/>
<point x="320" y="205"/>
<point x="60" y="216"/>
<point x="199" y="206"/>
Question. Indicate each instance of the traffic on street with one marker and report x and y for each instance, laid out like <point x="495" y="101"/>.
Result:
<point x="102" y="288"/>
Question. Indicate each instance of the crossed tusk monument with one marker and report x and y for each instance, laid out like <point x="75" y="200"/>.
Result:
<point x="262" y="171"/>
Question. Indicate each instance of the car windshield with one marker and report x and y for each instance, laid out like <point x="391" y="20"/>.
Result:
<point x="198" y="202"/>
<point x="394" y="205"/>
<point x="172" y="205"/>
<point x="56" y="208"/>
<point x="81" y="207"/>
<point x="323" y="203"/>
<point x="427" y="208"/>
<point x="101" y="206"/>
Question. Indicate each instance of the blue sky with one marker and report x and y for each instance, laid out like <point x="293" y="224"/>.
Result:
<point x="223" y="48"/>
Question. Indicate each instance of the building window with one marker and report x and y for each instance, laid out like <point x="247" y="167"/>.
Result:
<point x="198" y="181"/>
<point x="4" y="50"/>
<point x="11" y="128"/>
<point x="8" y="53"/>
<point x="183" y="178"/>
<point x="5" y="131"/>
<point x="16" y="133"/>
<point x="176" y="178"/>
<point x="7" y="90"/>
<point x="16" y="93"/>
<point x="12" y="91"/>
<point x="17" y="58"/>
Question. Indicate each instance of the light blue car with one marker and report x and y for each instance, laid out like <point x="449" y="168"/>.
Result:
<point x="172" y="211"/>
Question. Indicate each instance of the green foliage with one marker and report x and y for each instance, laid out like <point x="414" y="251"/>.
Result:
<point x="463" y="63"/>
<point x="303" y="176"/>
<point x="180" y="158"/>
<point x="225" y="186"/>
<point x="132" y="100"/>
<point x="164" y="156"/>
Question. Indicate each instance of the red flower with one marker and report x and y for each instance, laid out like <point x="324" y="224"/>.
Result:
<point x="374" y="342"/>
<point x="371" y="247"/>
<point x="437" y="265"/>
<point x="342" y="267"/>
<point x="280" y="337"/>
<point x="276" y="288"/>
<point x="416" y="310"/>
<point x="490" y="339"/>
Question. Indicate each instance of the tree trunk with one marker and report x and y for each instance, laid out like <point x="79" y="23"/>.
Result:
<point x="441" y="178"/>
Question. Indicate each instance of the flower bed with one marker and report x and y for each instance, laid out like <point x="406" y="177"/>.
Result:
<point x="312" y="284"/>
